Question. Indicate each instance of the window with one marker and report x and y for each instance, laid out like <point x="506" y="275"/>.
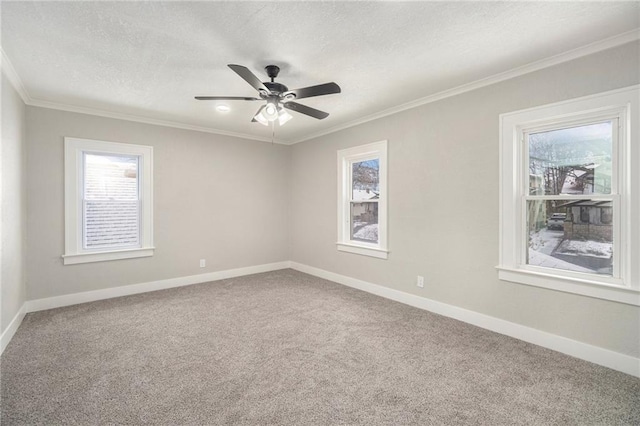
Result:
<point x="584" y="214"/>
<point x="570" y="163"/>
<point x="362" y="195"/>
<point x="569" y="188"/>
<point x="108" y="201"/>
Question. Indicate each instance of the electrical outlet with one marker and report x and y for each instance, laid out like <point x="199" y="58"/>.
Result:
<point x="420" y="282"/>
<point x="203" y="263"/>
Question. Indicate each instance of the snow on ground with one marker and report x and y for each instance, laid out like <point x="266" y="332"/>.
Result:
<point x="546" y="261"/>
<point x="545" y="244"/>
<point x="585" y="248"/>
<point x="366" y="232"/>
<point x="545" y="240"/>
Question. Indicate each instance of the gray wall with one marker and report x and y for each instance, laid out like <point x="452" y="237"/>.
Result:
<point x="242" y="203"/>
<point x="217" y="198"/>
<point x="13" y="227"/>
<point x="443" y="203"/>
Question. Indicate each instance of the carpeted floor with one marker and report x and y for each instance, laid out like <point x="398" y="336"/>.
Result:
<point x="287" y="348"/>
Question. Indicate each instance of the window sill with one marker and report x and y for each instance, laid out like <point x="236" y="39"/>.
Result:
<point x="363" y="250"/>
<point x="585" y="287"/>
<point x="72" y="259"/>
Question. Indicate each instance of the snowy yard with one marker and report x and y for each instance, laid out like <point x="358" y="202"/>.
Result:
<point x="585" y="248"/>
<point x="549" y="249"/>
<point x="546" y="261"/>
<point x="365" y="232"/>
<point x="545" y="240"/>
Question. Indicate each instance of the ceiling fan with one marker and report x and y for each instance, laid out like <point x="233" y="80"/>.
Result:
<point x="277" y="95"/>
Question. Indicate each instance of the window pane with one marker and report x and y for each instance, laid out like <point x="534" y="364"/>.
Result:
<point x="364" y="222"/>
<point x="576" y="160"/>
<point x="571" y="235"/>
<point x="365" y="180"/>
<point x="109" y="177"/>
<point x="111" y="211"/>
<point x="111" y="223"/>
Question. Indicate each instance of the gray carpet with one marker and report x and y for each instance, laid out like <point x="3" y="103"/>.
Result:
<point x="287" y="348"/>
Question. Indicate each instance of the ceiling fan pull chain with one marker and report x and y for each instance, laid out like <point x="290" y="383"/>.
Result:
<point x="273" y="132"/>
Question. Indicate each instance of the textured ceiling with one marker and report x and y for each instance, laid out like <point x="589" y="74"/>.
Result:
<point x="149" y="59"/>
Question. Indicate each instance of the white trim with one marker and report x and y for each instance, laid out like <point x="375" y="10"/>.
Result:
<point x="108" y="293"/>
<point x="365" y="251"/>
<point x="346" y="157"/>
<point x="145" y="120"/>
<point x="570" y="101"/>
<point x="17" y="83"/>
<point x="623" y="103"/>
<point x="73" y="259"/>
<point x="597" y="355"/>
<point x="7" y="68"/>
<point x="14" y="78"/>
<point x="598" y="46"/>
<point x="614" y="360"/>
<point x="74" y="150"/>
<point x="585" y="287"/>
<point x="11" y="329"/>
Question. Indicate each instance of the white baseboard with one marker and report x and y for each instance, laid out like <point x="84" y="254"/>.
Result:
<point x="7" y="334"/>
<point x="614" y="360"/>
<point x="108" y="293"/>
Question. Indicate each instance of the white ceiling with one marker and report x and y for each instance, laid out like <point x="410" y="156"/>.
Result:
<point x="149" y="59"/>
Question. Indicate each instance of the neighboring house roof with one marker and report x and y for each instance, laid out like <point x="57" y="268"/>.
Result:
<point x="365" y="194"/>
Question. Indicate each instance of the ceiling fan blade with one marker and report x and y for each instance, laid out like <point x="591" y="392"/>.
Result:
<point x="249" y="77"/>
<point x="225" y="98"/>
<point x="320" y="89"/>
<point x="303" y="109"/>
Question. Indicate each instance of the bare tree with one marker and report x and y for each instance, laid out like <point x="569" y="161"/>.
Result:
<point x="365" y="176"/>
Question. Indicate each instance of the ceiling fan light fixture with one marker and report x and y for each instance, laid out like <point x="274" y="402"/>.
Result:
<point x="260" y="118"/>
<point x="283" y="116"/>
<point x="270" y="111"/>
<point x="267" y="113"/>
<point x="275" y="94"/>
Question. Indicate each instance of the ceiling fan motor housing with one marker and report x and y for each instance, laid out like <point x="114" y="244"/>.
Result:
<point x="272" y="71"/>
<point x="277" y="95"/>
<point x="276" y="88"/>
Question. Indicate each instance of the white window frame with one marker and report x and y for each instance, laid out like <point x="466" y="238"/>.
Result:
<point x="623" y="106"/>
<point x="346" y="157"/>
<point x="74" y="151"/>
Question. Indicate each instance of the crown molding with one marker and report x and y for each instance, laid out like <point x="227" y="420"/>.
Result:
<point x="145" y="120"/>
<point x="13" y="77"/>
<point x="16" y="82"/>
<point x="608" y="43"/>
